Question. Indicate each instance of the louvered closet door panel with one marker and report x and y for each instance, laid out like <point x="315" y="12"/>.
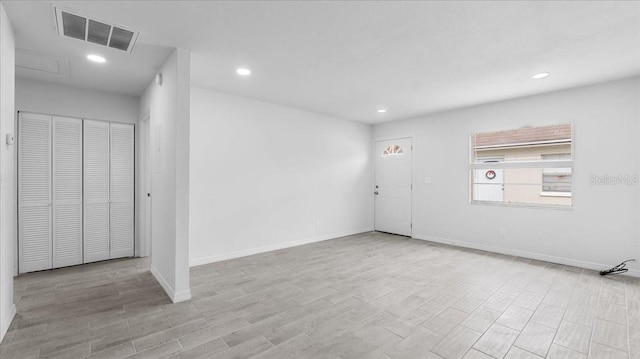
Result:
<point x="122" y="177"/>
<point x="34" y="192"/>
<point x="67" y="191"/>
<point x="96" y="191"/>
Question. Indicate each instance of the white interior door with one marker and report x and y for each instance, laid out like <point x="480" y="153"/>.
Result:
<point x="393" y="186"/>
<point x="122" y="203"/>
<point x="96" y="191"/>
<point x="67" y="191"/>
<point x="34" y="192"/>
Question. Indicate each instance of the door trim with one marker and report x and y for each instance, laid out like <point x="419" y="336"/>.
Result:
<point x="143" y="249"/>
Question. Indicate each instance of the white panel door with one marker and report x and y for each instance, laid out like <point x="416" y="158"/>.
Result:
<point x="122" y="203"/>
<point x="96" y="191"/>
<point x="34" y="192"/>
<point x="393" y="186"/>
<point x="67" y="191"/>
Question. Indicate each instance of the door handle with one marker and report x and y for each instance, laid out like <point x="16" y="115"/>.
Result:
<point x="376" y="193"/>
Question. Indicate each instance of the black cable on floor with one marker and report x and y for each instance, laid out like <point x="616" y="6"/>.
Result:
<point x="620" y="268"/>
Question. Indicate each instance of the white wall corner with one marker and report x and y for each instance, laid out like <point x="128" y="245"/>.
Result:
<point x="523" y="254"/>
<point x="163" y="282"/>
<point x="6" y="322"/>
<point x="182" y="296"/>
<point x="175" y="297"/>
<point x="8" y="204"/>
<point x="182" y="172"/>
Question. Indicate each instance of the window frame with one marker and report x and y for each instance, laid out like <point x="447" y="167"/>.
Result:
<point x="549" y="164"/>
<point x="396" y="151"/>
<point x="565" y="194"/>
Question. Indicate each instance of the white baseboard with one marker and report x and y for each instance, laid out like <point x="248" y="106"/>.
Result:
<point x="175" y="297"/>
<point x="182" y="296"/>
<point x="273" y="247"/>
<point x="6" y="322"/>
<point x="524" y="254"/>
<point x="163" y="282"/>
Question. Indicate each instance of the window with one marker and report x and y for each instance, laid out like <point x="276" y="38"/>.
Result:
<point x="527" y="166"/>
<point x="556" y="181"/>
<point x="393" y="150"/>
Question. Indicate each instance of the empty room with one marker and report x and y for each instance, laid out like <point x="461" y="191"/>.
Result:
<point x="320" y="179"/>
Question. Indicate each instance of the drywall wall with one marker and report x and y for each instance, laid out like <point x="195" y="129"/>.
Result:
<point x="265" y="177"/>
<point x="7" y="173"/>
<point x="54" y="99"/>
<point x="600" y="231"/>
<point x="167" y="106"/>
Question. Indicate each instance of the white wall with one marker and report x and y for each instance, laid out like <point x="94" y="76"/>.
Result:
<point x="168" y="106"/>
<point x="54" y="99"/>
<point x="603" y="227"/>
<point x="264" y="176"/>
<point x="7" y="173"/>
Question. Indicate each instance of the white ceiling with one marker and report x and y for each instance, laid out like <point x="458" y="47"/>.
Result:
<point x="38" y="45"/>
<point x="348" y="59"/>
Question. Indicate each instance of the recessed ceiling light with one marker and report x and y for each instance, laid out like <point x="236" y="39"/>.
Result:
<point x="96" y="58"/>
<point x="540" y="75"/>
<point x="382" y="111"/>
<point x="243" y="71"/>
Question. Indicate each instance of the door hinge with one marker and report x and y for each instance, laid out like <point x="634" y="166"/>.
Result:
<point x="411" y="225"/>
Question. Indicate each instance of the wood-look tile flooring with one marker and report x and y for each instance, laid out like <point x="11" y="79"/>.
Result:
<point x="372" y="295"/>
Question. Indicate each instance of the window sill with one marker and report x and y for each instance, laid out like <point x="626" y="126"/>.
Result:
<point x="524" y="205"/>
<point x="556" y="194"/>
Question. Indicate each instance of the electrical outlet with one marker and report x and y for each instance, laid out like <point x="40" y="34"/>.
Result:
<point x="502" y="232"/>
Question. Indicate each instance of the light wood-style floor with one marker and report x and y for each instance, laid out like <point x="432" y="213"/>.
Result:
<point x="372" y="295"/>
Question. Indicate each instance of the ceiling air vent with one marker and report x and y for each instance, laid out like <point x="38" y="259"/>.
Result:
<point x="80" y="27"/>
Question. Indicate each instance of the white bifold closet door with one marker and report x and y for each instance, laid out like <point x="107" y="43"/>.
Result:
<point x="122" y="194"/>
<point x="34" y="192"/>
<point x="67" y="191"/>
<point x="75" y="191"/>
<point x="108" y="191"/>
<point x="96" y="191"/>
